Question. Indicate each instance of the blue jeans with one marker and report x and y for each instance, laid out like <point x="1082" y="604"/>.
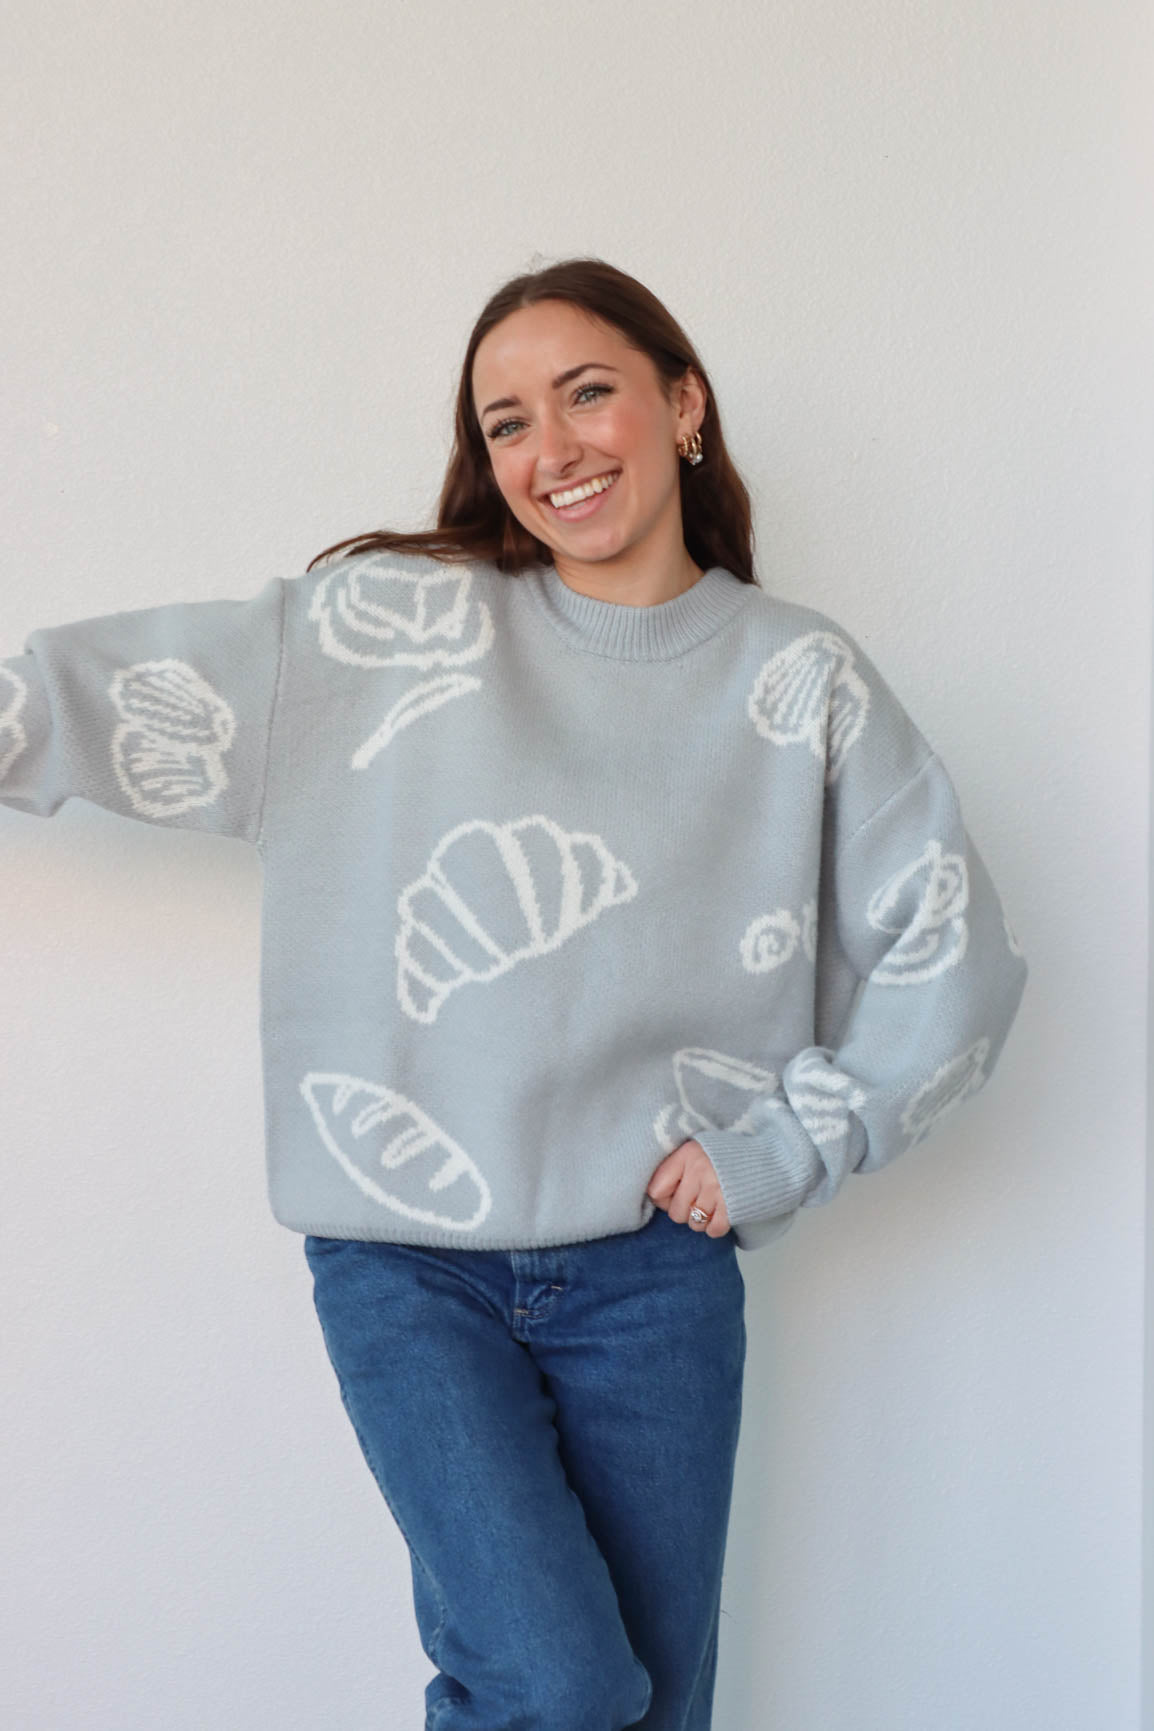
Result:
<point x="554" y="1433"/>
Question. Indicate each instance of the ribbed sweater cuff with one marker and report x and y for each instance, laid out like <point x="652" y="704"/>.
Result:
<point x="766" y="1174"/>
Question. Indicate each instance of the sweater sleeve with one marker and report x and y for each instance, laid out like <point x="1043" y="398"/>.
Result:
<point x="163" y="714"/>
<point x="941" y="978"/>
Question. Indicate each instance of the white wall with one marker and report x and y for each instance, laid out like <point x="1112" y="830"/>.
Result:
<point x="243" y="246"/>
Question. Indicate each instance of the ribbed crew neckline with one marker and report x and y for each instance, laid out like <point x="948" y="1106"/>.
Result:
<point x="631" y="633"/>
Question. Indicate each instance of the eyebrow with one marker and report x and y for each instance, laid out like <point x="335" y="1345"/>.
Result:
<point x="561" y="379"/>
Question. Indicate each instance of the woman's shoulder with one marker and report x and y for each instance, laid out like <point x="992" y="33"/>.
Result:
<point x="802" y="651"/>
<point x="800" y="626"/>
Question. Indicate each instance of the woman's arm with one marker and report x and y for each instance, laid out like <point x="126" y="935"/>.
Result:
<point x="921" y="924"/>
<point x="162" y="714"/>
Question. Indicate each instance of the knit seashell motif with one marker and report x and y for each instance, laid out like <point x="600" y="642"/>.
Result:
<point x="493" y="895"/>
<point x="395" y="1153"/>
<point x="170" y="698"/>
<point x="822" y="1096"/>
<point x="167" y="752"/>
<point x="810" y="694"/>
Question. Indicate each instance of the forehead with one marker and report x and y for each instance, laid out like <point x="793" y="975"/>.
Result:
<point x="535" y="343"/>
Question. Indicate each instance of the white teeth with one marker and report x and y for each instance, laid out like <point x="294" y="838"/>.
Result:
<point x="597" y="485"/>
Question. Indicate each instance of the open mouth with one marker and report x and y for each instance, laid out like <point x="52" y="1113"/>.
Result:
<point x="582" y="501"/>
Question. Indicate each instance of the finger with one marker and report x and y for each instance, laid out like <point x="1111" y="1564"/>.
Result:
<point x="687" y="1196"/>
<point x="664" y="1179"/>
<point x="679" y="1203"/>
<point x="709" y="1200"/>
<point x="704" y="1226"/>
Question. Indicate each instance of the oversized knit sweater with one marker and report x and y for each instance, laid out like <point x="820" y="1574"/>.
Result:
<point x="551" y="884"/>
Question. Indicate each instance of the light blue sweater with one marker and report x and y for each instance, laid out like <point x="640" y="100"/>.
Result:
<point x="551" y="885"/>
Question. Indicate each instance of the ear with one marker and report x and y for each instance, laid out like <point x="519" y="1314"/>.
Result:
<point x="691" y="400"/>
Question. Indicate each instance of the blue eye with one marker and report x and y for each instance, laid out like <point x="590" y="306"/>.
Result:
<point x="601" y="390"/>
<point x="598" y="390"/>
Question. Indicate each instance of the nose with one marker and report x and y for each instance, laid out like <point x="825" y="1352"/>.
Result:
<point x="558" y="450"/>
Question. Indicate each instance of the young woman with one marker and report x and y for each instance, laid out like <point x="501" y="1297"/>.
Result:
<point x="614" y="912"/>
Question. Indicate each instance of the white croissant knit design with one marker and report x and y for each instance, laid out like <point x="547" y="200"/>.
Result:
<point x="551" y="885"/>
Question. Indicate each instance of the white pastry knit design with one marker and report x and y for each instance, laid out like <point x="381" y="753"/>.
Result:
<point x="493" y="895"/>
<point x="678" y="872"/>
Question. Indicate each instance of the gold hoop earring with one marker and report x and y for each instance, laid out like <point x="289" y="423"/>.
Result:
<point x="691" y="448"/>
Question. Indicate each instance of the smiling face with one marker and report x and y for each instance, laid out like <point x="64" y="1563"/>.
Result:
<point x="563" y="400"/>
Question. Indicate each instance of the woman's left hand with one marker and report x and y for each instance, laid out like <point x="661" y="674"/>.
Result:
<point x="684" y="1179"/>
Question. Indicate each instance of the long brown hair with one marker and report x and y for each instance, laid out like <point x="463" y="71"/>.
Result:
<point x="473" y="520"/>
